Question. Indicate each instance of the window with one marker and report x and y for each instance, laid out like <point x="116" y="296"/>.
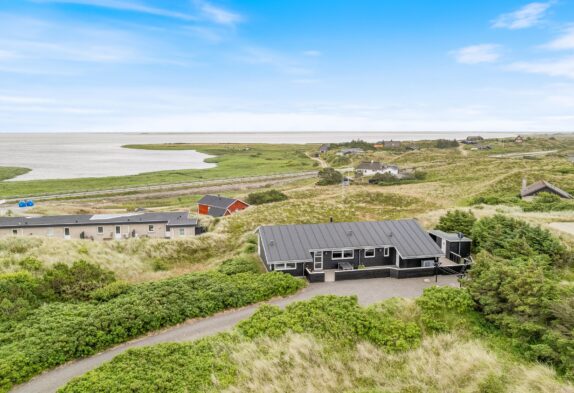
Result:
<point x="14" y="232"/>
<point x="66" y="231"/>
<point x="285" y="266"/>
<point x="100" y="230"/>
<point x="343" y="254"/>
<point x="386" y="251"/>
<point x="369" y="252"/>
<point x="118" y="230"/>
<point x="428" y="263"/>
<point x="318" y="260"/>
<point x="150" y="228"/>
<point x="181" y="231"/>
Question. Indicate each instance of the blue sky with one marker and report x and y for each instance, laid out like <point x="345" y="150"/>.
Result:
<point x="254" y="65"/>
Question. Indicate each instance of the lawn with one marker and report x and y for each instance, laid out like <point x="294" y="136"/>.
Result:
<point x="233" y="160"/>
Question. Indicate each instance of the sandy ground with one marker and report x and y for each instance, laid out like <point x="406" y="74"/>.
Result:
<point x="567" y="227"/>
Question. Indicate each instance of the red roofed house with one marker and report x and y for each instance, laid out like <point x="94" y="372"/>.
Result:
<point x="218" y="206"/>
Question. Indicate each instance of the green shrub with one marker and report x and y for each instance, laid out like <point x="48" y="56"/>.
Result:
<point x="63" y="282"/>
<point x="59" y="332"/>
<point x="110" y="291"/>
<point x="441" y="307"/>
<point x="189" y="367"/>
<point x="269" y="196"/>
<point x="446" y="143"/>
<point x="457" y="221"/>
<point x="241" y="264"/>
<point x="19" y="294"/>
<point x="547" y="202"/>
<point x="329" y="176"/>
<point x="335" y="318"/>
<point x="511" y="238"/>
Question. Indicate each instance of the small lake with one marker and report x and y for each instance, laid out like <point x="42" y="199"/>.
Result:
<point x="73" y="155"/>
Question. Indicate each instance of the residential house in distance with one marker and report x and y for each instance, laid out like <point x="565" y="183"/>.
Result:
<point x="350" y="151"/>
<point x="529" y="192"/>
<point x="324" y="148"/>
<point x="170" y="225"/>
<point x="475" y="138"/>
<point x="374" y="167"/>
<point x="519" y="140"/>
<point x="218" y="206"/>
<point x="400" y="248"/>
<point x="392" y="144"/>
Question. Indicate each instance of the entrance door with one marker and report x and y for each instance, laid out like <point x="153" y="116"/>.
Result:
<point x="66" y="233"/>
<point x="118" y="232"/>
<point x="318" y="260"/>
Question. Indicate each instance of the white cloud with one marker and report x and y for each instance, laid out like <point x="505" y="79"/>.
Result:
<point x="282" y="63"/>
<point x="474" y="54"/>
<point x="565" y="41"/>
<point x="312" y="53"/>
<point x="563" y="67"/>
<point x="122" y="5"/>
<point x="529" y="15"/>
<point x="219" y="15"/>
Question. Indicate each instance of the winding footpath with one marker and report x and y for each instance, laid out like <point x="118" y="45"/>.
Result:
<point x="367" y="291"/>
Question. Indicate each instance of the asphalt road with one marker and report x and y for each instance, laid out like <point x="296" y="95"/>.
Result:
<point x="368" y="292"/>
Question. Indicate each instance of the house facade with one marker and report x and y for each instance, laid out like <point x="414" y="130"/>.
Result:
<point x="218" y="206"/>
<point x="381" y="246"/>
<point x="372" y="168"/>
<point x="172" y="225"/>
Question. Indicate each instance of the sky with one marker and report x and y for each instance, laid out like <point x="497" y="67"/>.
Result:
<point x="291" y="65"/>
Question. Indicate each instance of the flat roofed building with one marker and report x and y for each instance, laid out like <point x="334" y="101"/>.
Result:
<point x="401" y="244"/>
<point x="102" y="226"/>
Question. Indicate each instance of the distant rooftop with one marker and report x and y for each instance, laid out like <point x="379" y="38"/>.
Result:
<point x="172" y="219"/>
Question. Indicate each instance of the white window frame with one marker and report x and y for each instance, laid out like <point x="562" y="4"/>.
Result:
<point x="369" y="250"/>
<point x="318" y="260"/>
<point x="285" y="266"/>
<point x="151" y="228"/>
<point x="100" y="230"/>
<point x="116" y="230"/>
<point x="386" y="251"/>
<point x="181" y="231"/>
<point x="343" y="251"/>
<point x="67" y="232"/>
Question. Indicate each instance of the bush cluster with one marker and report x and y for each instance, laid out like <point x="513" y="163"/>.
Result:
<point x="329" y="176"/>
<point x="23" y="291"/>
<point x="515" y="286"/>
<point x="269" y="196"/>
<point x="59" y="332"/>
<point x="457" y="221"/>
<point x="340" y="319"/>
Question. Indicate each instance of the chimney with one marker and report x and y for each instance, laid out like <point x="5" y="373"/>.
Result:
<point x="523" y="183"/>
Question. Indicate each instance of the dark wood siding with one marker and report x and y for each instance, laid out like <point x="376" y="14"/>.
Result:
<point x="359" y="259"/>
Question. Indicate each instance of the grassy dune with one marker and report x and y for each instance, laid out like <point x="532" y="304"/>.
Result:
<point x="233" y="160"/>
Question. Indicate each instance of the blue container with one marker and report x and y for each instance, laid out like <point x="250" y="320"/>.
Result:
<point x="22" y="204"/>
<point x="30" y="203"/>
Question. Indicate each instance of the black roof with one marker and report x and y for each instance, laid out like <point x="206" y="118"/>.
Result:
<point x="171" y="219"/>
<point x="541" y="185"/>
<point x="294" y="242"/>
<point x="217" y="201"/>
<point x="217" y="211"/>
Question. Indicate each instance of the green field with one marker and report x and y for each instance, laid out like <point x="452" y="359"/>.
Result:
<point x="233" y="160"/>
<point x="7" y="172"/>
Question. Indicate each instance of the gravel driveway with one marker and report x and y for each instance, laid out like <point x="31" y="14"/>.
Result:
<point x="368" y="291"/>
